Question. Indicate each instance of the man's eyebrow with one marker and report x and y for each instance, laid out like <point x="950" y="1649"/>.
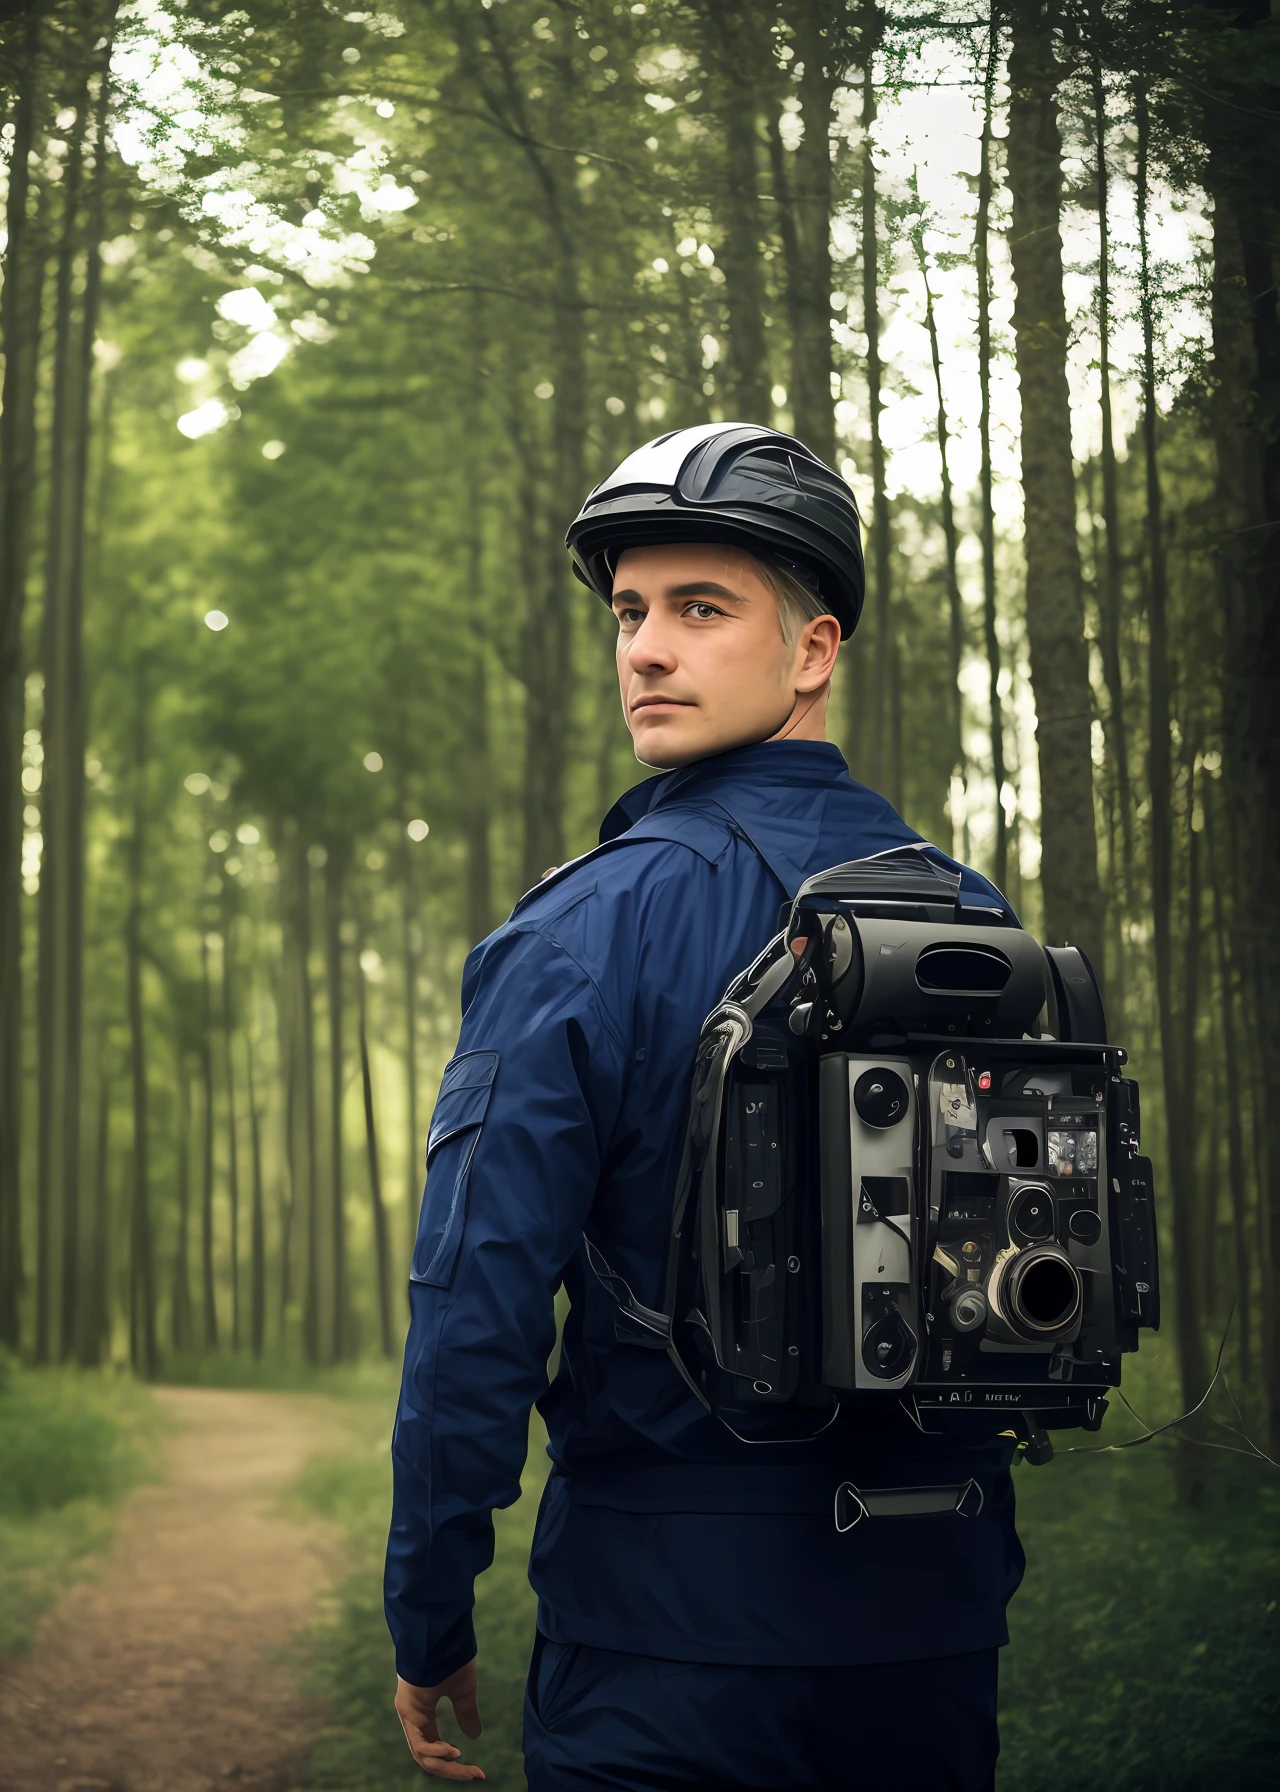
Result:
<point x="706" y="588"/>
<point x="696" y="588"/>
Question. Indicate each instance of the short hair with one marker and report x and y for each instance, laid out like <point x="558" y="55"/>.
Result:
<point x="797" y="602"/>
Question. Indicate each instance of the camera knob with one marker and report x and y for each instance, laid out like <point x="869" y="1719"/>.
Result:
<point x="969" y="1310"/>
<point x="880" y="1098"/>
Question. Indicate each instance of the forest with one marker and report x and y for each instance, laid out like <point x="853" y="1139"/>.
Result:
<point x="317" y="324"/>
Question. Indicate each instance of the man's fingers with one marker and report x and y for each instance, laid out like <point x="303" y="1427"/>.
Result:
<point x="467" y="1712"/>
<point x="441" y="1761"/>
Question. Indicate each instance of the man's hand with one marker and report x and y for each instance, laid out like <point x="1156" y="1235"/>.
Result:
<point x="416" y="1709"/>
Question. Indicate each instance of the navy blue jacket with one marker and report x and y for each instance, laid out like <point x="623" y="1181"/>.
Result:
<point x="562" y="1116"/>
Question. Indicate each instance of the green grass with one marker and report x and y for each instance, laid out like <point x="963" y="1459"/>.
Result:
<point x="71" y="1443"/>
<point x="1144" y="1637"/>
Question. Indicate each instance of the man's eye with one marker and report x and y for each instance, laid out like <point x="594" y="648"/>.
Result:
<point x="704" y="612"/>
<point x="630" y="615"/>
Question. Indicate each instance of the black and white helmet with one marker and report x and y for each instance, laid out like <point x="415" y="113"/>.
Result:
<point x="730" y="482"/>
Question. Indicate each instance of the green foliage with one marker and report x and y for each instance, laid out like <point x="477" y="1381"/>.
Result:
<point x="1144" y="1640"/>
<point x="70" y="1445"/>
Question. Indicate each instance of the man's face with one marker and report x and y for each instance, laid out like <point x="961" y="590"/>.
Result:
<point x="702" y="663"/>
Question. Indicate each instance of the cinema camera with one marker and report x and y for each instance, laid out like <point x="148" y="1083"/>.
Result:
<point x="912" y="1169"/>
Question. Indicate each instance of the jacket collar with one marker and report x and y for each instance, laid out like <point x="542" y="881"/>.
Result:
<point x="793" y="800"/>
<point x="772" y="762"/>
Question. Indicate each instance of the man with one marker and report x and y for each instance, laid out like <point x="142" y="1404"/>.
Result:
<point x="700" y="1620"/>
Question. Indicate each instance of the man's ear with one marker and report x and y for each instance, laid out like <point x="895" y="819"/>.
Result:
<point x="816" y="650"/>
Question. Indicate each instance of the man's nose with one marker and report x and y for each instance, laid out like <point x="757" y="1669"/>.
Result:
<point x="651" y="649"/>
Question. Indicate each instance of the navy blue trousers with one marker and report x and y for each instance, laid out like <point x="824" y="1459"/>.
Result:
<point x="598" y="1721"/>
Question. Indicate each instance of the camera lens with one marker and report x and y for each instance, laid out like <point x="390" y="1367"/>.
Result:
<point x="1045" y="1291"/>
<point x="880" y="1098"/>
<point x="1031" y="1214"/>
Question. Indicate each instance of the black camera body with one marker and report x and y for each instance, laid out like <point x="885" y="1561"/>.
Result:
<point x="913" y="1169"/>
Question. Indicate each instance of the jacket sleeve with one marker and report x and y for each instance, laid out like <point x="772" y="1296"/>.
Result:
<point x="513" y="1158"/>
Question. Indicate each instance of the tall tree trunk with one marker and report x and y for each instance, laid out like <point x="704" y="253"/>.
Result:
<point x="334" y="878"/>
<point x="378" y="1213"/>
<point x="950" y="535"/>
<point x="305" y="1067"/>
<point x="880" y="755"/>
<point x="1211" y="1206"/>
<point x="547" y="644"/>
<point x="479" y="816"/>
<point x="1234" y="1095"/>
<point x="94" y="1316"/>
<point x="208" y="1282"/>
<point x="479" y="756"/>
<point x="183" y="1329"/>
<point x="1055" y="595"/>
<point x="142" y="1305"/>
<point x="548" y="653"/>
<point x="76" y="700"/>
<point x="233" y="1155"/>
<point x="1111" y="586"/>
<point x="812" y="404"/>
<point x="410" y="954"/>
<point x="1181" y="1140"/>
<point x="58" y="1033"/>
<point x="20" y="309"/>
<point x="1246" y="349"/>
<point x="258" y="1218"/>
<point x="286" y="1048"/>
<point x="1241" y="1250"/>
<point x="732" y="52"/>
<point x="1188" y="1049"/>
<point x="991" y="639"/>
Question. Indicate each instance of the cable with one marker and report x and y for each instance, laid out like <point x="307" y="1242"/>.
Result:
<point x="1131" y="1443"/>
<point x="1254" y="1449"/>
<point x="1254" y="1453"/>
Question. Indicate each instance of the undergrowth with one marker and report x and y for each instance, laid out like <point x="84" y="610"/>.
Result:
<point x="71" y="1443"/>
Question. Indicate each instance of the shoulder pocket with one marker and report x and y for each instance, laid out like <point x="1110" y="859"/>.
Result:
<point x="456" y="1122"/>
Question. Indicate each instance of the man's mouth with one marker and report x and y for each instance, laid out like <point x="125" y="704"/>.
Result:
<point x="648" y="704"/>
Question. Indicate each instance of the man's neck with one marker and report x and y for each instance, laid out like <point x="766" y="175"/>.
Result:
<point x="808" y="720"/>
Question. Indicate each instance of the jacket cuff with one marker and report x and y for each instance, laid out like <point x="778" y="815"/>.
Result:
<point x="454" y="1650"/>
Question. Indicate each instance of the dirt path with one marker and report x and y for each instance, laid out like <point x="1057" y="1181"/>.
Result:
<point x="164" y="1673"/>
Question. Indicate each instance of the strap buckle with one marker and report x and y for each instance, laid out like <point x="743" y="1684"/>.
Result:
<point x="853" y="1504"/>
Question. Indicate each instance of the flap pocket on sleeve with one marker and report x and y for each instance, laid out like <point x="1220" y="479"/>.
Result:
<point x="458" y="1116"/>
